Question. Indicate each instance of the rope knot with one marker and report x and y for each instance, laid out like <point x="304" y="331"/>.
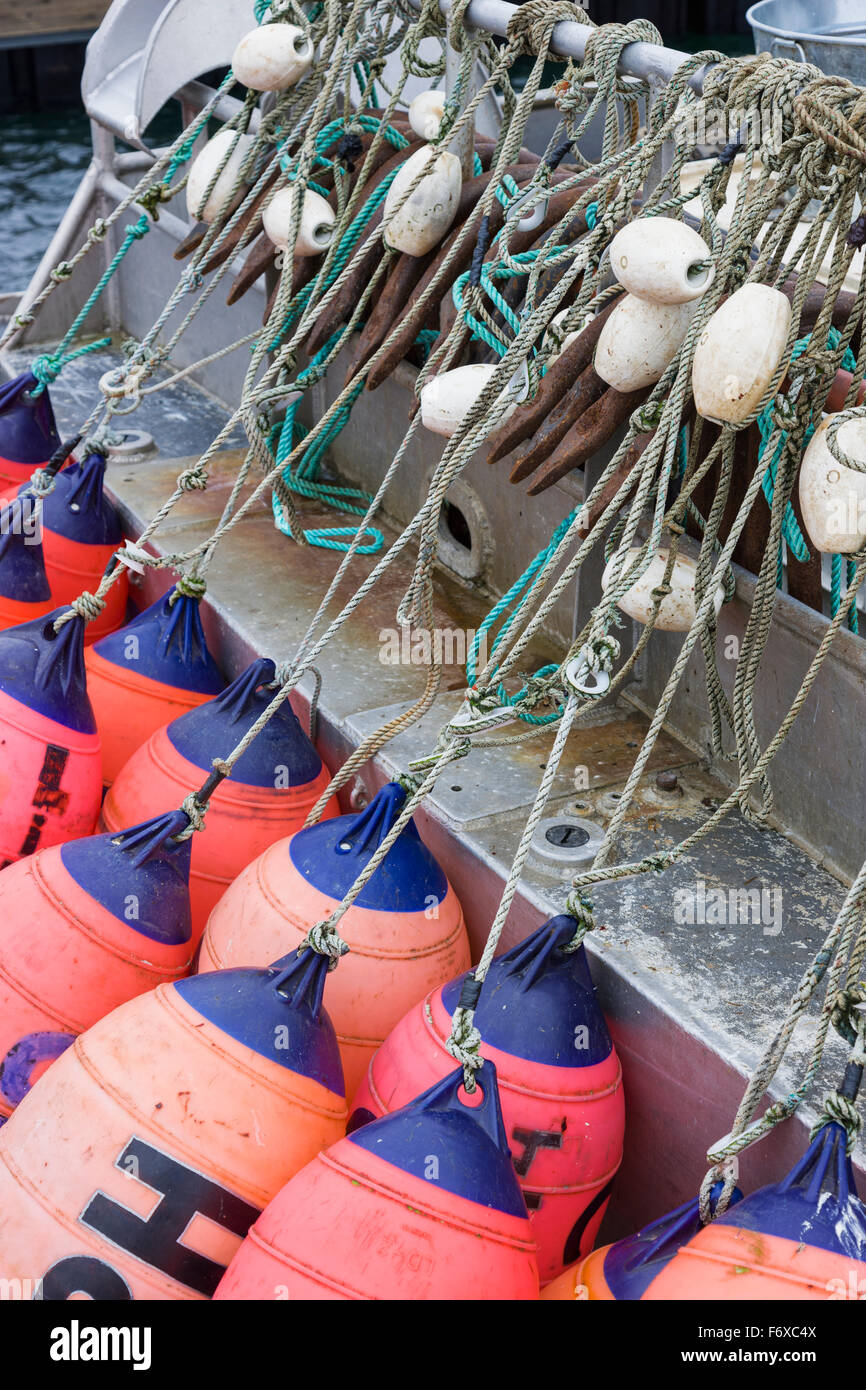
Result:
<point x="42" y="481"/>
<point x="192" y="480"/>
<point x="150" y="201"/>
<point x="602" y="653"/>
<point x="325" y="940"/>
<point x="195" y="814"/>
<point x="189" y="586"/>
<point x="87" y="606"/>
<point x="645" y="420"/>
<point x="61" y="271"/>
<point x="582" y="909"/>
<point x="844" y="1014"/>
<point x="464" y="1045"/>
<point x="838" y="1109"/>
<point x="47" y="368"/>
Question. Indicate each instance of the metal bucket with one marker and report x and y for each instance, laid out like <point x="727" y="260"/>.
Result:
<point x="829" y="33"/>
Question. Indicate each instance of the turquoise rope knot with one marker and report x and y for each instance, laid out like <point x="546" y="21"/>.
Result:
<point x="48" y="367"/>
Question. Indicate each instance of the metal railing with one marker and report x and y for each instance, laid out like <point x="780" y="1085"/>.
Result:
<point x="649" y="61"/>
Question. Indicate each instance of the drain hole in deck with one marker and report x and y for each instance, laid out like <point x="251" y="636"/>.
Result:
<point x="457" y="526"/>
<point x="567" y="836"/>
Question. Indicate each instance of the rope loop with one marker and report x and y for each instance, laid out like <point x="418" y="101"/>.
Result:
<point x="844" y="1014"/>
<point x="530" y="27"/>
<point x="150" y="200"/>
<point x="832" y="441"/>
<point x="582" y="909"/>
<point x="602" y="653"/>
<point x="464" y="1045"/>
<point x="192" y="480"/>
<point x="325" y="940"/>
<point x="88" y="606"/>
<point x="195" y="814"/>
<point x="188" y="586"/>
<point x="838" y="1109"/>
<point x="726" y="1173"/>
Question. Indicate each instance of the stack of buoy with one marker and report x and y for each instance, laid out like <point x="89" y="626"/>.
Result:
<point x="135" y="1166"/>
<point x="50" y="770"/>
<point x="272" y="788"/>
<point x="801" y="1238"/>
<point x="24" y="589"/>
<point x="84" y="927"/>
<point x="81" y="530"/>
<point x="340" y="1229"/>
<point x="405" y="929"/>
<point x="28" y="432"/>
<point x="146" y="674"/>
<point x="560" y="1082"/>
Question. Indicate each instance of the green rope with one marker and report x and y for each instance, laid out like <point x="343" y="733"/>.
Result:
<point x="304" y="479"/>
<point x="767" y="425"/>
<point x="506" y="192"/>
<point x="508" y="599"/>
<point x="351" y="236"/>
<point x="48" y="367"/>
<point x="836" y="589"/>
<point x="791" y="533"/>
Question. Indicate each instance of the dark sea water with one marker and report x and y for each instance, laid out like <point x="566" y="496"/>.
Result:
<point x="42" y="157"/>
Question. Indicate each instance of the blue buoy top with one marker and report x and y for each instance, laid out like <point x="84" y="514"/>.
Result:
<point x="330" y="856"/>
<point x="22" y="561"/>
<point x="631" y="1264"/>
<point x="280" y="756"/>
<point x="277" y="1012"/>
<point x="140" y="876"/>
<point x="453" y="1146"/>
<point x="538" y="1001"/>
<point x="44" y="670"/>
<point x="28" y="433"/>
<point x="816" y="1203"/>
<point x="169" y="646"/>
<point x="77" y="507"/>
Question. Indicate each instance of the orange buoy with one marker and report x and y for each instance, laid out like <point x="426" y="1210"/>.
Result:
<point x="50" y="783"/>
<point x="272" y="788"/>
<point x="28" y="432"/>
<point x="802" y="1238"/>
<point x="81" y="530"/>
<point x="24" y="589"/>
<point x="405" y="930"/>
<point x="560" y="1082"/>
<point x="141" y="677"/>
<point x="83" y="927"/>
<point x="135" y="1166"/>
<point x="422" y="1205"/>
